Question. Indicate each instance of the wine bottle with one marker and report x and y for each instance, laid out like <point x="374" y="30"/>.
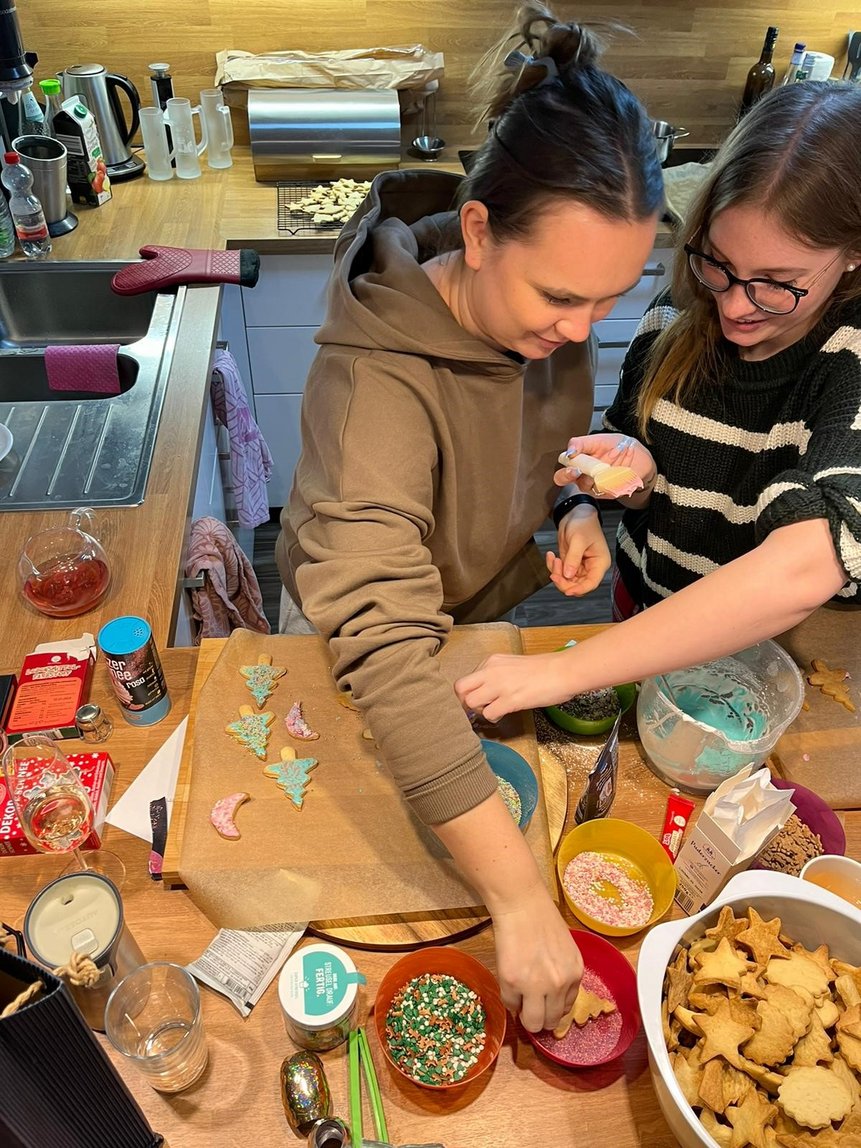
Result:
<point x="760" y="78"/>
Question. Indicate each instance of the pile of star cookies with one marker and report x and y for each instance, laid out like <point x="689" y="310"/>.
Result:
<point x="764" y="1037"/>
<point x="335" y="202"/>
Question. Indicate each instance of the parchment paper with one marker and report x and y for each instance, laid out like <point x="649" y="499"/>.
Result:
<point x="355" y="849"/>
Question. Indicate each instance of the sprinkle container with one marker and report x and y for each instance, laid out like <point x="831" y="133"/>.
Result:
<point x="448" y="962"/>
<point x="318" y="992"/>
<point x="625" y="845"/>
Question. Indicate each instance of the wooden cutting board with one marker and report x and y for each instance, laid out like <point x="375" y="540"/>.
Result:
<point x="236" y="883"/>
<point x="819" y="748"/>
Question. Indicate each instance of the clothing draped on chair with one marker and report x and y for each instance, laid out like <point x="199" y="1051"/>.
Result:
<point x="230" y="597"/>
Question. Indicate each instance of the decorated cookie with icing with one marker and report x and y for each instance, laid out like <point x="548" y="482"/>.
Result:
<point x="297" y="726"/>
<point x="223" y="815"/>
<point x="251" y="730"/>
<point x="262" y="678"/>
<point x="291" y="774"/>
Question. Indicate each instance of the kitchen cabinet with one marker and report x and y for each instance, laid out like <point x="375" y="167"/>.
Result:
<point x="278" y="321"/>
<point x="615" y="333"/>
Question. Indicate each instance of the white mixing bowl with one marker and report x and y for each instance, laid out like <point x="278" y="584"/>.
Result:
<point x="809" y="914"/>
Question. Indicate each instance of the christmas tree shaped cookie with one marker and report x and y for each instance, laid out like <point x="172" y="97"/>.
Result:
<point x="291" y="774"/>
<point x="252" y="730"/>
<point x="262" y="678"/>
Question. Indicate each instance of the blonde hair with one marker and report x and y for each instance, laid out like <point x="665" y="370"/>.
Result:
<point x="797" y="155"/>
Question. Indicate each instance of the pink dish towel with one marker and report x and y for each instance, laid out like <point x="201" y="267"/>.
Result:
<point x="90" y="368"/>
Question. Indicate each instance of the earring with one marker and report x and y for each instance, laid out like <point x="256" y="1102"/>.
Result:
<point x="851" y="266"/>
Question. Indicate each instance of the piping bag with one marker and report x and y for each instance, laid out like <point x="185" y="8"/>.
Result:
<point x="617" y="481"/>
<point x="163" y="267"/>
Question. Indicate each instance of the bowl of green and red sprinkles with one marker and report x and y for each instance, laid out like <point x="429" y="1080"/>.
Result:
<point x="439" y="1017"/>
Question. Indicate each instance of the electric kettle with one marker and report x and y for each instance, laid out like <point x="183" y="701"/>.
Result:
<point x="99" y="90"/>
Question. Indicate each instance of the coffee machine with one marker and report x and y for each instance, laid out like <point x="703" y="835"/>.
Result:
<point x="16" y="68"/>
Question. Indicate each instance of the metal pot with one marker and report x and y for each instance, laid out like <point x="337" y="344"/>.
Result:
<point x="665" y="136"/>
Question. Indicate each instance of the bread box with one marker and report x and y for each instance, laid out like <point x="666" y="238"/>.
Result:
<point x="323" y="133"/>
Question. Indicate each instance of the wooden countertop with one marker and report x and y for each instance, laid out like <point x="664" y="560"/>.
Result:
<point x="525" y="1101"/>
<point x="144" y="544"/>
<point x="225" y="208"/>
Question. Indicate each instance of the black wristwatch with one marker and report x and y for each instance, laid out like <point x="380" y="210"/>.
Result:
<point x="562" y="507"/>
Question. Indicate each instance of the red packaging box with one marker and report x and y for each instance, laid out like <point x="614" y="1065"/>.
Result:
<point x="51" y="687"/>
<point x="96" y="771"/>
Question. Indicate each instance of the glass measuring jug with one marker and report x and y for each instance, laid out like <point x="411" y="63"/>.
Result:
<point x="64" y="571"/>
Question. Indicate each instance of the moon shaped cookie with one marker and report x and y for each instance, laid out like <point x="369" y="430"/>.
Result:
<point x="223" y="815"/>
<point x="297" y="726"/>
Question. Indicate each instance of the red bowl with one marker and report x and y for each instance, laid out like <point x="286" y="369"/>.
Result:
<point x="468" y="970"/>
<point x="818" y="816"/>
<point x="608" y="973"/>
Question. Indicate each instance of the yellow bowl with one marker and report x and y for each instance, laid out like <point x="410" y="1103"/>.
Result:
<point x="638" y="852"/>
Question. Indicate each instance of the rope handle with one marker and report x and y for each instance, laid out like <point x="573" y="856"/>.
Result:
<point x="79" y="971"/>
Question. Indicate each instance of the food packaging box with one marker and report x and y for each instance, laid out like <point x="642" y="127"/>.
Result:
<point x="96" y="771"/>
<point x="8" y="684"/>
<point x="737" y="821"/>
<point x="86" y="170"/>
<point x="54" y="681"/>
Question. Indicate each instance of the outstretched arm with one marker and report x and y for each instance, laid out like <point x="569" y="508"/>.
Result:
<point x="763" y="593"/>
<point x="538" y="965"/>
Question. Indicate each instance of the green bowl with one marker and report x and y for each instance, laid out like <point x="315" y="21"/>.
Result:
<point x="626" y="694"/>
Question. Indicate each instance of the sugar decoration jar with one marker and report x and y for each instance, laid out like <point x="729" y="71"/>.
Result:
<point x="318" y="992"/>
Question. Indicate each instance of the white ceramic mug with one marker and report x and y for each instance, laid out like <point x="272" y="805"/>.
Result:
<point x="179" y="114"/>
<point x="219" y="128"/>
<point x="839" y="875"/>
<point x="155" y="145"/>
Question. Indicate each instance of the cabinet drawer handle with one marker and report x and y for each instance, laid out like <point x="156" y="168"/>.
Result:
<point x="196" y="583"/>
<point x="615" y="344"/>
<point x="658" y="270"/>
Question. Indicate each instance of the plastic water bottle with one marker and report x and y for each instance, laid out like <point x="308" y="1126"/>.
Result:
<point x="30" y="225"/>
<point x="7" y="229"/>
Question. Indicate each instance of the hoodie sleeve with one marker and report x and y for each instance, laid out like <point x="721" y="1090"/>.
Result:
<point x="372" y="590"/>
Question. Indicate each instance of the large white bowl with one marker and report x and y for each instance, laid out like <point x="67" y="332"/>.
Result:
<point x="809" y="914"/>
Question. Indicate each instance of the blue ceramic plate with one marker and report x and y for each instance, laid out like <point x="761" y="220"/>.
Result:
<point x="508" y="764"/>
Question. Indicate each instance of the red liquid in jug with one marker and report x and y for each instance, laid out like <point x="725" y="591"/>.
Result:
<point x="68" y="589"/>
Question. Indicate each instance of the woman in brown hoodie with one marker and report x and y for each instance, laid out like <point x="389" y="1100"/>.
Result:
<point x="455" y="362"/>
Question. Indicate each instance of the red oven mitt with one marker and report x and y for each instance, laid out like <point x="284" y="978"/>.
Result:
<point x="177" y="266"/>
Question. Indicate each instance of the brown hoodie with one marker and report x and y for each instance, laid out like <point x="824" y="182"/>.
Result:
<point x="427" y="464"/>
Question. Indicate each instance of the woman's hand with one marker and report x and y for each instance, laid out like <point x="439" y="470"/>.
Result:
<point x="538" y="964"/>
<point x="615" y="449"/>
<point x="507" y="683"/>
<point x="584" y="557"/>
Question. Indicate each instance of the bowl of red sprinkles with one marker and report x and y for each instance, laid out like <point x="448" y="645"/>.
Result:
<point x="609" y="977"/>
<point x="616" y="877"/>
<point x="439" y="1017"/>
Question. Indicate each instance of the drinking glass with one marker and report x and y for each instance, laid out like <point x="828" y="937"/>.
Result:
<point x="51" y="803"/>
<point x="219" y="128"/>
<point x="179" y="116"/>
<point x="153" y="1018"/>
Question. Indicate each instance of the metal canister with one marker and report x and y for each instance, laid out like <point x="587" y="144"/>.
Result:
<point x="83" y="913"/>
<point x="135" y="670"/>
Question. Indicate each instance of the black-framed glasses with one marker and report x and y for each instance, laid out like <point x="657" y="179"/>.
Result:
<point x="767" y="294"/>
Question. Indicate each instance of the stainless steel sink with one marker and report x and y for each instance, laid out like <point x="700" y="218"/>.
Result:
<point x="73" y="448"/>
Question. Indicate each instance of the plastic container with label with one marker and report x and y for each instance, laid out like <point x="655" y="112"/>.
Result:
<point x="318" y="991"/>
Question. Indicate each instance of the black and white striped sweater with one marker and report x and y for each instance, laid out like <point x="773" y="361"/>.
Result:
<point x="767" y="444"/>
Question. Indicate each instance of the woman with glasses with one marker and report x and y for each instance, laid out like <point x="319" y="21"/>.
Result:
<point x="740" y="408"/>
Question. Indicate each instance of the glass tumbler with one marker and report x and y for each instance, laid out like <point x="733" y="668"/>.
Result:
<point x="219" y="128"/>
<point x="180" y="116"/>
<point x="153" y="1018"/>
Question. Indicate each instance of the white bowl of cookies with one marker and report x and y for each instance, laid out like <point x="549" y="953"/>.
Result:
<point x="752" y="1013"/>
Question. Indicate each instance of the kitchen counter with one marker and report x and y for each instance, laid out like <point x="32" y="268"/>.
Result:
<point x="225" y="208"/>
<point x="524" y="1101"/>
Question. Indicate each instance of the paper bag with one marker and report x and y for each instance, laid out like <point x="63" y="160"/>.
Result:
<point x="413" y="66"/>
<point x="58" y="1087"/>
